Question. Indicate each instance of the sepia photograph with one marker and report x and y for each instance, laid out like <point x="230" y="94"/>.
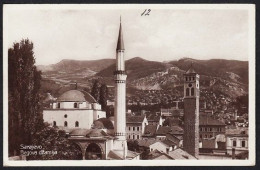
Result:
<point x="88" y="85"/>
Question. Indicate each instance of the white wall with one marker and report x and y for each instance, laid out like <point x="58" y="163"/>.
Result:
<point x="84" y="117"/>
<point x="70" y="105"/>
<point x="160" y="147"/>
<point x="238" y="140"/>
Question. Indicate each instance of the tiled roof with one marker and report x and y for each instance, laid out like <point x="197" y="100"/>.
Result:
<point x="146" y="142"/>
<point x="237" y="132"/>
<point x="207" y="120"/>
<point x="103" y="123"/>
<point x="191" y="70"/>
<point x="150" y="130"/>
<point x="134" y="119"/>
<point x="153" y="117"/>
<point x="173" y="138"/>
<point x="155" y="154"/>
<point x="170" y="121"/>
<point x="163" y="130"/>
<point x="117" y="155"/>
<point x="180" y="154"/>
<point x="168" y="143"/>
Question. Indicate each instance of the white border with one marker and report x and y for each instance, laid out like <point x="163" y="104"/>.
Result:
<point x="251" y="42"/>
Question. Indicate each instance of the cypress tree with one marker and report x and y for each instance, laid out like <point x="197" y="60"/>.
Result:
<point x="24" y="113"/>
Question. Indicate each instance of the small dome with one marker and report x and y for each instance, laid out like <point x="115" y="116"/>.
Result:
<point x="71" y="96"/>
<point x="103" y="123"/>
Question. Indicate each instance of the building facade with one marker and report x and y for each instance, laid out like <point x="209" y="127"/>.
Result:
<point x="135" y="126"/>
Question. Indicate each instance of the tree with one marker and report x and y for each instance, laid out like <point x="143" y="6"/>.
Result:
<point x="95" y="90"/>
<point x="24" y="113"/>
<point x="103" y="96"/>
<point x="54" y="140"/>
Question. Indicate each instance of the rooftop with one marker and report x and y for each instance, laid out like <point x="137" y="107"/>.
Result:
<point x="103" y="123"/>
<point x="76" y="96"/>
<point x="134" y="119"/>
<point x="207" y="120"/>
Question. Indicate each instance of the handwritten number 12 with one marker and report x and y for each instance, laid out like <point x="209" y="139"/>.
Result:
<point x="146" y="12"/>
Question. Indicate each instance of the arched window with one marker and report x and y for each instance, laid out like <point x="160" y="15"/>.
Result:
<point x="76" y="124"/>
<point x="187" y="92"/>
<point x="54" y="123"/>
<point x="75" y="105"/>
<point x="58" y="106"/>
<point x="65" y="123"/>
<point x="192" y="91"/>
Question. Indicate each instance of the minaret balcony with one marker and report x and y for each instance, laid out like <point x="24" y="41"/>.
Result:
<point x="119" y="72"/>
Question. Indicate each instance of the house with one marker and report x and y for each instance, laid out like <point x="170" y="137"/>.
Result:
<point x="177" y="154"/>
<point x="154" y="119"/>
<point x="237" y="139"/>
<point x="135" y="126"/>
<point x="173" y="130"/>
<point x="209" y="128"/>
<point x="163" y="146"/>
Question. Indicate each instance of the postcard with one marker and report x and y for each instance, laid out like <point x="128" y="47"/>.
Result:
<point x="125" y="85"/>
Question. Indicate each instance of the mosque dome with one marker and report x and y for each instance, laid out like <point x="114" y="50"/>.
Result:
<point x="71" y="96"/>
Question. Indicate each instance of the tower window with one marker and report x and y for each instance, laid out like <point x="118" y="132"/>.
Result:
<point x="75" y="105"/>
<point x="192" y="91"/>
<point x="65" y="124"/>
<point x="65" y="115"/>
<point x="54" y="123"/>
<point x="76" y="124"/>
<point x="186" y="78"/>
<point x="187" y="92"/>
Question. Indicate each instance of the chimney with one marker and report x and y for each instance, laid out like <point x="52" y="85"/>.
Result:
<point x="233" y="153"/>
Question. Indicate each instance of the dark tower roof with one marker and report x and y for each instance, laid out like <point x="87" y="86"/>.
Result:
<point x="120" y="42"/>
<point x="191" y="70"/>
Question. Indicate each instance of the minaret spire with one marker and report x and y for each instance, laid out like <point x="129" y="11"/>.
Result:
<point x="120" y="42"/>
<point x="120" y="76"/>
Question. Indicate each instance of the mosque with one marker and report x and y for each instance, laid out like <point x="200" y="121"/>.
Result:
<point x="79" y="114"/>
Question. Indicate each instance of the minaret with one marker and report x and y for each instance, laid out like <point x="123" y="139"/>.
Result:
<point x="191" y="112"/>
<point x="120" y="143"/>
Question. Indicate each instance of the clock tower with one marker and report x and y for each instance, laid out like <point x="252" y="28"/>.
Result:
<point x="191" y="112"/>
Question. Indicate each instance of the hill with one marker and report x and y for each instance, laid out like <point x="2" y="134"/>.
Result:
<point x="227" y="77"/>
<point x="70" y="66"/>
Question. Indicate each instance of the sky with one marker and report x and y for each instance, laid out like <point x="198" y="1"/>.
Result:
<point x="164" y="35"/>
